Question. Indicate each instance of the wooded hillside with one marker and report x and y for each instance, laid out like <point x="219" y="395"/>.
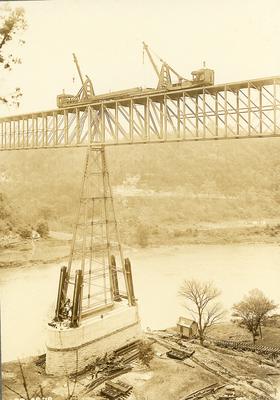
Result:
<point x="179" y="183"/>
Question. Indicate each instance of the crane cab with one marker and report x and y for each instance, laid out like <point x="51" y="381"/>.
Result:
<point x="203" y="77"/>
<point x="64" y="100"/>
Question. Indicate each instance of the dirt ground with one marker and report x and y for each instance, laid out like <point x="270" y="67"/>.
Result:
<point x="166" y="379"/>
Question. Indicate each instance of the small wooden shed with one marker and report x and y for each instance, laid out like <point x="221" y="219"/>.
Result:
<point x="187" y="327"/>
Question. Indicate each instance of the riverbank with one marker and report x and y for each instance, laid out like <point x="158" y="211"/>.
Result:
<point x="56" y="248"/>
<point x="26" y="253"/>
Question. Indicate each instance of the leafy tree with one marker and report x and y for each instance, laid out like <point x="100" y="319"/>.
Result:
<point x="25" y="232"/>
<point x="146" y="352"/>
<point x="200" y="302"/>
<point x="252" y="311"/>
<point x="12" y="23"/>
<point x="43" y="229"/>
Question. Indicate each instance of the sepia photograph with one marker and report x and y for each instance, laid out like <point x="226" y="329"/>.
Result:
<point x="139" y="200"/>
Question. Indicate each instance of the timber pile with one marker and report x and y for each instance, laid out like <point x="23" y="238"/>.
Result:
<point x="114" y="361"/>
<point x="116" y="390"/>
<point x="111" y="366"/>
<point x="201" y="393"/>
<point x="269" y="351"/>
<point x="179" y="354"/>
<point x="106" y="365"/>
<point x="102" y="379"/>
<point x="128" y="352"/>
<point x="229" y="394"/>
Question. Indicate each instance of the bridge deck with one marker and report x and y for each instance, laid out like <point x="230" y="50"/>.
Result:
<point x="233" y="110"/>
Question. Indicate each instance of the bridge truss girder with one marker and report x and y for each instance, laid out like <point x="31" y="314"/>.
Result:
<point x="236" y="110"/>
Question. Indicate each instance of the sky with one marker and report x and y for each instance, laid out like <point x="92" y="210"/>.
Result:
<point x="239" y="39"/>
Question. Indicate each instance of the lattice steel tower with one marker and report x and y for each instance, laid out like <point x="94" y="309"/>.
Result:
<point x="97" y="274"/>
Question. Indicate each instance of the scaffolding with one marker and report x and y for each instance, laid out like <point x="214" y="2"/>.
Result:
<point x="97" y="274"/>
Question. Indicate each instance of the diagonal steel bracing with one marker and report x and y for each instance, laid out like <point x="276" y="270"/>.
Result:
<point x="235" y="110"/>
<point x="96" y="256"/>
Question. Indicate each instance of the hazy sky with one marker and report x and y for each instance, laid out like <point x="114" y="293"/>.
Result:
<point x="239" y="39"/>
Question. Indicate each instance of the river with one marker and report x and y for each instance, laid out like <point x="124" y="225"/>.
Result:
<point x="28" y="295"/>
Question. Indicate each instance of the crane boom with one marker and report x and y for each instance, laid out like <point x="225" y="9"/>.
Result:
<point x="84" y="94"/>
<point x="78" y="68"/>
<point x="164" y="74"/>
<point x="146" y="48"/>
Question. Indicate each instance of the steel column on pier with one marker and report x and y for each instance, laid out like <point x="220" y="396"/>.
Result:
<point x="96" y="250"/>
<point x="235" y="110"/>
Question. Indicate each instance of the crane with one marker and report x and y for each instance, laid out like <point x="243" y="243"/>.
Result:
<point x="78" y="68"/>
<point x="201" y="77"/>
<point x="87" y="87"/>
<point x="85" y="93"/>
<point x="164" y="76"/>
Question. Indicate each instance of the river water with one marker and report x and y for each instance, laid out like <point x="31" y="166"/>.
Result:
<point x="28" y="295"/>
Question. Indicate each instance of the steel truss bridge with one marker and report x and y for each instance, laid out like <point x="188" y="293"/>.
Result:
<point x="226" y="111"/>
<point x="98" y="276"/>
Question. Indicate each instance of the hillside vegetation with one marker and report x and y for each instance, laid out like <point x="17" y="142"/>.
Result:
<point x="157" y="188"/>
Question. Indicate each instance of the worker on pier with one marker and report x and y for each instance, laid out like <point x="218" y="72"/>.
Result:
<point x="67" y="311"/>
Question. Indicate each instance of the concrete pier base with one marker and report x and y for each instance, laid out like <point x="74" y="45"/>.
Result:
<point x="69" y="350"/>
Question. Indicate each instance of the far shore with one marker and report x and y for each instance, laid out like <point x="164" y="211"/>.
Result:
<point x="56" y="247"/>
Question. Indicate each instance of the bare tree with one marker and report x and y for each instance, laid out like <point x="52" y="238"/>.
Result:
<point x="12" y="22"/>
<point x="199" y="301"/>
<point x="30" y="394"/>
<point x="26" y="386"/>
<point x="252" y="310"/>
